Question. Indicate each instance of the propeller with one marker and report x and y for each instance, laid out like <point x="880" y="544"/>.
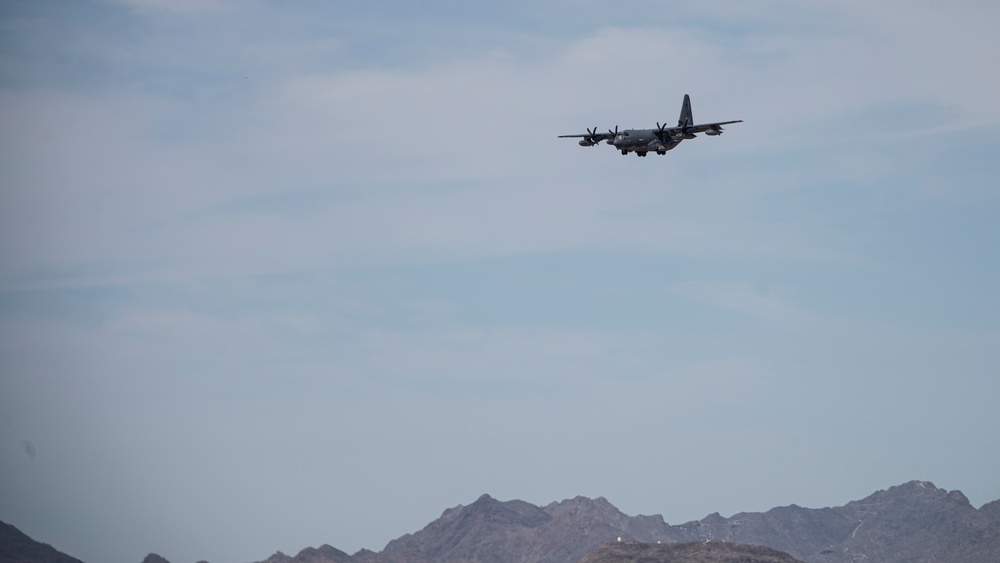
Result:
<point x="613" y="135"/>
<point x="667" y="138"/>
<point x="684" y="126"/>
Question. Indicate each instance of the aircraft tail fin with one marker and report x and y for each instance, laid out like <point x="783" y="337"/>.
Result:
<point x="686" y="120"/>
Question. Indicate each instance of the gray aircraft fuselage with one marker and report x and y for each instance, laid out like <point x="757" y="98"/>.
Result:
<point x="642" y="140"/>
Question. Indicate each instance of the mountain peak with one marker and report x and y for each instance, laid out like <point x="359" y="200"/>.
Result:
<point x="915" y="493"/>
<point x="278" y="557"/>
<point x="579" y="506"/>
<point x="325" y="553"/>
<point x="959" y="497"/>
<point x="513" y="511"/>
<point x="714" y="518"/>
<point x="991" y="510"/>
<point x="478" y="528"/>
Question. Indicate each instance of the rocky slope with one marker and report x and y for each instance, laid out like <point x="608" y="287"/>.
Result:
<point x="17" y="547"/>
<point x="915" y="521"/>
<point x="694" y="552"/>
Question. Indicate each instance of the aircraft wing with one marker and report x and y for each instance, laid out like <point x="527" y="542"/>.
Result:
<point x="595" y="137"/>
<point x="706" y="126"/>
<point x="691" y="129"/>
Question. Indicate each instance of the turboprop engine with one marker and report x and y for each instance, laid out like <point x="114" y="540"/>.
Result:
<point x="663" y="147"/>
<point x="590" y="140"/>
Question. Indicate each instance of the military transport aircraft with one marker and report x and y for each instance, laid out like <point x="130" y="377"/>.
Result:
<point x="660" y="140"/>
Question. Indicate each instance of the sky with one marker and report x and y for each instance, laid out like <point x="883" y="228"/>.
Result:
<point x="274" y="275"/>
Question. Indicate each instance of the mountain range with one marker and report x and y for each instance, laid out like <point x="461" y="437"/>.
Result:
<point x="912" y="522"/>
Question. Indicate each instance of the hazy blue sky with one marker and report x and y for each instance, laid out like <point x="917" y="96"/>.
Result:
<point x="281" y="274"/>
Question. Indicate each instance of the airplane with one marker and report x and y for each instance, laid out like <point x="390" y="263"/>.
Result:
<point x="659" y="140"/>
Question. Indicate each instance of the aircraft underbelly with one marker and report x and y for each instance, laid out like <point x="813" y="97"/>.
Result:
<point x="654" y="145"/>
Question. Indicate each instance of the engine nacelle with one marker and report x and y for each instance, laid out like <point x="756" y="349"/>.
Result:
<point x="666" y="144"/>
<point x="713" y="132"/>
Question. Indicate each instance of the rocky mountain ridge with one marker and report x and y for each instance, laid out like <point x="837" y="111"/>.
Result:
<point x="915" y="521"/>
<point x="912" y="522"/>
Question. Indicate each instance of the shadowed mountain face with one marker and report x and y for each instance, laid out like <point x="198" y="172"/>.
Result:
<point x="694" y="552"/>
<point x="912" y="522"/>
<point x="915" y="521"/>
<point x="17" y="547"/>
<point x="491" y="531"/>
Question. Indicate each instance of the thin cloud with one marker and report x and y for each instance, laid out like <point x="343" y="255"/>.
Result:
<point x="760" y="300"/>
<point x="172" y="6"/>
